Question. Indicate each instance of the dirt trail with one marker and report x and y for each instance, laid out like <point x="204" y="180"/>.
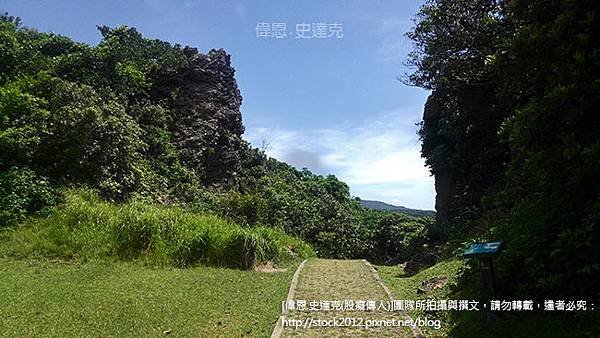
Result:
<point x="321" y="283"/>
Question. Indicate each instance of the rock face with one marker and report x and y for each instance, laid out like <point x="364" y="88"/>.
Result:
<point x="459" y="130"/>
<point x="444" y="189"/>
<point x="207" y="122"/>
<point x="444" y="185"/>
<point x="432" y="283"/>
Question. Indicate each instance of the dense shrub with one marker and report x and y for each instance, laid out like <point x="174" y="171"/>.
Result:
<point x="86" y="227"/>
<point x="245" y="209"/>
<point x="22" y="193"/>
<point x="318" y="209"/>
<point x="392" y="238"/>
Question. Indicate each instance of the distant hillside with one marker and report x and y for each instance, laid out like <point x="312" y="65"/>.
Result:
<point x="385" y="206"/>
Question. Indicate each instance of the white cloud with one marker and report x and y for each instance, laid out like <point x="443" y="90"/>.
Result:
<point x="379" y="158"/>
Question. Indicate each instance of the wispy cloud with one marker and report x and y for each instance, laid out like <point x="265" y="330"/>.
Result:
<point x="379" y="157"/>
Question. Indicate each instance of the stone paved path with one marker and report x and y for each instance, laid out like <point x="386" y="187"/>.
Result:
<point x="340" y="280"/>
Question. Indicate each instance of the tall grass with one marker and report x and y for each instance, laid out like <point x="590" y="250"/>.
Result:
<point x="87" y="227"/>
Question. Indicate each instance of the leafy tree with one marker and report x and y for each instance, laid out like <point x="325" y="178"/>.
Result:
<point x="511" y="134"/>
<point x="552" y="186"/>
<point x="456" y="43"/>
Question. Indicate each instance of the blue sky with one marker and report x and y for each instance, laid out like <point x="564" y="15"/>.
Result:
<point x="333" y="105"/>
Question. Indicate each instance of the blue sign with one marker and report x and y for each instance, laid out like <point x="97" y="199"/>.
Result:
<point x="483" y="249"/>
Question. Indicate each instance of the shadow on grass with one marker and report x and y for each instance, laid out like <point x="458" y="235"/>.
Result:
<point x="531" y="325"/>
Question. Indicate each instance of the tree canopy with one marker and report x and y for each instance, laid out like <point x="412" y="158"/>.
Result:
<point x="510" y="131"/>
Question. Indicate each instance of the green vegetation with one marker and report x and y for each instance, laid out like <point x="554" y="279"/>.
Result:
<point x="131" y="151"/>
<point x="121" y="299"/>
<point x="143" y="120"/>
<point x="405" y="286"/>
<point x="511" y="134"/>
<point x="22" y="193"/>
<point x="85" y="228"/>
<point x="475" y="324"/>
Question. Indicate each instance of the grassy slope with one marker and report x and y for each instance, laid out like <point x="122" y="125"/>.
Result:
<point x="405" y="287"/>
<point x="118" y="299"/>
<point x="475" y="324"/>
<point x="96" y="269"/>
<point x="85" y="227"/>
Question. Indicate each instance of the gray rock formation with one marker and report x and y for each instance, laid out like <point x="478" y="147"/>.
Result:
<point x="207" y="123"/>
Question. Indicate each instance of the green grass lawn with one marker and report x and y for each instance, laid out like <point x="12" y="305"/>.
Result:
<point x="127" y="299"/>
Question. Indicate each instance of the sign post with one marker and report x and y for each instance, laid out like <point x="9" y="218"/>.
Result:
<point x="486" y="252"/>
